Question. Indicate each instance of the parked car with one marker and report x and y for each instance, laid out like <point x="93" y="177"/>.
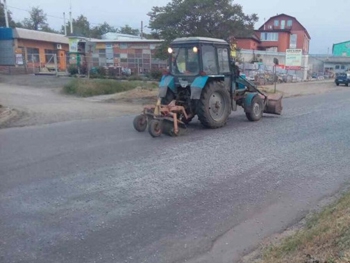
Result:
<point x="342" y="78"/>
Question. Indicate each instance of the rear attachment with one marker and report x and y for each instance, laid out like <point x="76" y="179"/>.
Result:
<point x="273" y="102"/>
<point x="162" y="119"/>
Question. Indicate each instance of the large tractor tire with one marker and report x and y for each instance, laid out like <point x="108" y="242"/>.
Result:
<point x="213" y="108"/>
<point x="256" y="109"/>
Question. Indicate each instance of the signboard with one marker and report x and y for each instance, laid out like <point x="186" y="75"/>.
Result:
<point x="294" y="59"/>
<point x="100" y="46"/>
<point x="19" y="59"/>
<point x="73" y="45"/>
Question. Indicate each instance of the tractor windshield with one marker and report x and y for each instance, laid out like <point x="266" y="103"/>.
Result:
<point x="185" y="61"/>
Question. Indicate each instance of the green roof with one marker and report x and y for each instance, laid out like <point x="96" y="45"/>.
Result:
<point x="184" y="40"/>
<point x="341" y="49"/>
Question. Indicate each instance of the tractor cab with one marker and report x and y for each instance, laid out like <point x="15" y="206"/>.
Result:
<point x="194" y="60"/>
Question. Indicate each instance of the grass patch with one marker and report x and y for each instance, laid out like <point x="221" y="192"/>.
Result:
<point x="94" y="87"/>
<point x="325" y="238"/>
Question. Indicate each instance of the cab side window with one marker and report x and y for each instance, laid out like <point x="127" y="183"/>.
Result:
<point x="209" y="60"/>
<point x="223" y="58"/>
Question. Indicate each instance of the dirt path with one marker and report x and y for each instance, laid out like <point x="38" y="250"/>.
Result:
<point x="36" y="106"/>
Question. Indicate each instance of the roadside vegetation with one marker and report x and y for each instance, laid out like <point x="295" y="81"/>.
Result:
<point x="94" y="87"/>
<point x="325" y="238"/>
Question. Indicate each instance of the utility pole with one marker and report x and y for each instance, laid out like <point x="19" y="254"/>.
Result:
<point x="6" y="14"/>
<point x="141" y="29"/>
<point x="70" y="19"/>
<point x="64" y="24"/>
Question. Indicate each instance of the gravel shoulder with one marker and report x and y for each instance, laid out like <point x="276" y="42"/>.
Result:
<point x="37" y="100"/>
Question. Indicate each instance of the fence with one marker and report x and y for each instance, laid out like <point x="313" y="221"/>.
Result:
<point x="32" y="64"/>
<point x="259" y="65"/>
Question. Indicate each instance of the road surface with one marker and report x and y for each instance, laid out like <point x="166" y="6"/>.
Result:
<point x="98" y="191"/>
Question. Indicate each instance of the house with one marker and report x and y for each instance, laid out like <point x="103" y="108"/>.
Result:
<point x="253" y="42"/>
<point x="279" y="33"/>
<point x="32" y="49"/>
<point x="118" y="51"/>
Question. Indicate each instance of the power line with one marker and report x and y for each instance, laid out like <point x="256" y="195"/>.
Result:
<point x="26" y="10"/>
<point x="57" y="17"/>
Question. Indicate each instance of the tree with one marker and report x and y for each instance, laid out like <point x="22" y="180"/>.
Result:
<point x="98" y="31"/>
<point x="37" y="20"/>
<point x="81" y="27"/>
<point x="206" y="18"/>
<point x="152" y="35"/>
<point x="129" y="30"/>
<point x="2" y="17"/>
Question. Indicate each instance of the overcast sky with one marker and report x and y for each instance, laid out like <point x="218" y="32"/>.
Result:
<point x="327" y="21"/>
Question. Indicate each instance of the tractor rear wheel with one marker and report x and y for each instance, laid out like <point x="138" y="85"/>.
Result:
<point x="256" y="109"/>
<point x="213" y="108"/>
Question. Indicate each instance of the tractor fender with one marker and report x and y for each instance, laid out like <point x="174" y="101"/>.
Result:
<point x="197" y="86"/>
<point x="199" y="83"/>
<point x="165" y="83"/>
<point x="248" y="98"/>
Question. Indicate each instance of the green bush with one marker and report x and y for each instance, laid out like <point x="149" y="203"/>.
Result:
<point x="135" y="77"/>
<point x="156" y="74"/>
<point x="102" y="71"/>
<point x="72" y="70"/>
<point x="94" y="87"/>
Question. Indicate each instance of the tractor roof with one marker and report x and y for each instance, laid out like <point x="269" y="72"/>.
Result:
<point x="205" y="40"/>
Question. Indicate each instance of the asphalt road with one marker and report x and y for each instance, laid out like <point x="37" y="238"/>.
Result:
<point x="98" y="191"/>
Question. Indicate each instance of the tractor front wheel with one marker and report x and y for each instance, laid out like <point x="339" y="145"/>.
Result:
<point x="213" y="108"/>
<point x="256" y="109"/>
<point x="155" y="128"/>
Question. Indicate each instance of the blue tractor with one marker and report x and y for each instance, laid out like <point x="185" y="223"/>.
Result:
<point x="202" y="80"/>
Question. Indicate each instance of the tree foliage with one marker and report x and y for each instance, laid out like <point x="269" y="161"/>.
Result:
<point x="83" y="28"/>
<point x="128" y="30"/>
<point x="37" y="20"/>
<point x="99" y="30"/>
<point x="207" y="18"/>
<point x="12" y="23"/>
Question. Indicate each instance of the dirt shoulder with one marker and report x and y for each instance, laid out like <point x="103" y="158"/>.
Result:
<point x="305" y="88"/>
<point x="37" y="100"/>
<point x="142" y="96"/>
